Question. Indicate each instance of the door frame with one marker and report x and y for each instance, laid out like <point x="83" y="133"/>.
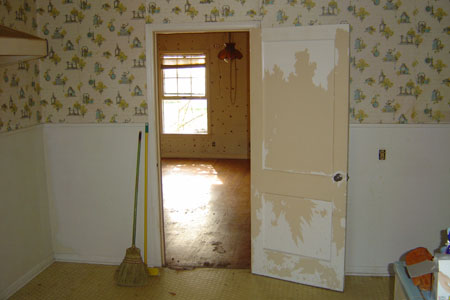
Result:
<point x="155" y="226"/>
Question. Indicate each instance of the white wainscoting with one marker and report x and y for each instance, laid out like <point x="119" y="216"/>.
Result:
<point x="91" y="172"/>
<point x="393" y="205"/>
<point x="400" y="203"/>
<point x="69" y="189"/>
<point x="25" y="234"/>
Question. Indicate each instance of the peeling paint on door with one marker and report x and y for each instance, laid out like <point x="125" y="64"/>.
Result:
<point x="318" y="55"/>
<point x="299" y="99"/>
<point x="299" y="142"/>
<point x="298" y="226"/>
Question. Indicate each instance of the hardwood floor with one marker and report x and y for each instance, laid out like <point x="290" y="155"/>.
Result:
<point x="207" y="212"/>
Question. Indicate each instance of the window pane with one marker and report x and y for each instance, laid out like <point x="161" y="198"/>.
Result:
<point x="190" y="81"/>
<point x="184" y="87"/>
<point x="198" y="72"/>
<point x="184" y="72"/>
<point x="185" y="116"/>
<point x="170" y="87"/>
<point x="170" y="73"/>
<point x="198" y="86"/>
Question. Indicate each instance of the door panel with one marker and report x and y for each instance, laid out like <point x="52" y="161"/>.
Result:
<point x="312" y="58"/>
<point x="301" y="240"/>
<point x="299" y="136"/>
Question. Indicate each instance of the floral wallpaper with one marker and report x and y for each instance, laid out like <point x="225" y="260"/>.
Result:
<point x="96" y="68"/>
<point x="19" y="83"/>
<point x="95" y="71"/>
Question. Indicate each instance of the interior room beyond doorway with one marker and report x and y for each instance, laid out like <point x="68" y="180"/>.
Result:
<point x="203" y="100"/>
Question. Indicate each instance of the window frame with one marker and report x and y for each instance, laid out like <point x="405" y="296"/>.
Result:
<point x="161" y="96"/>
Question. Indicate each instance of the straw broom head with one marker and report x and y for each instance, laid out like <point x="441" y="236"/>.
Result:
<point x="132" y="271"/>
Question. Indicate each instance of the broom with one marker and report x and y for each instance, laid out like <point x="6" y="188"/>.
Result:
<point x="132" y="271"/>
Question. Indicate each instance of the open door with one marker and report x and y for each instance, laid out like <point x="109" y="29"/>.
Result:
<point x="299" y="137"/>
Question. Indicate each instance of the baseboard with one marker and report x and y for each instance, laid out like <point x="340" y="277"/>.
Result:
<point x="27" y="277"/>
<point x="368" y="271"/>
<point x="97" y="260"/>
<point x="205" y="155"/>
<point x="18" y="284"/>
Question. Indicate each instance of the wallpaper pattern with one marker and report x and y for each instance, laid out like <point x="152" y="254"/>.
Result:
<point x="96" y="68"/>
<point x="19" y="83"/>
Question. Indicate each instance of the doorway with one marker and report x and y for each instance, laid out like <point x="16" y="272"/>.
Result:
<point x="270" y="227"/>
<point x="204" y="149"/>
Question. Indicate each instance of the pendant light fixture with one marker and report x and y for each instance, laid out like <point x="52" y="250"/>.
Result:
<point x="229" y="52"/>
<point x="228" y="55"/>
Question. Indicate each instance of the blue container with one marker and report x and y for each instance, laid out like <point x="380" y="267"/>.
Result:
<point x="404" y="287"/>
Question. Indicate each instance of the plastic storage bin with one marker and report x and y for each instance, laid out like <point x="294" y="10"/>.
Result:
<point x="404" y="288"/>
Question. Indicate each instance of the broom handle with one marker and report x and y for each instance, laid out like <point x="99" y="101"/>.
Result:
<point x="145" y="192"/>
<point x="136" y="189"/>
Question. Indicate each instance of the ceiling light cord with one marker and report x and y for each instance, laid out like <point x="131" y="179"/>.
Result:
<point x="228" y="55"/>
<point x="233" y="99"/>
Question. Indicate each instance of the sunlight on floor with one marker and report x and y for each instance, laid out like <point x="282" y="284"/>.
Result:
<point x="192" y="192"/>
<point x="206" y="212"/>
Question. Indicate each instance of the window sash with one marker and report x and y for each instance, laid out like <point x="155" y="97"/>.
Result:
<point x="184" y="82"/>
<point x="187" y="88"/>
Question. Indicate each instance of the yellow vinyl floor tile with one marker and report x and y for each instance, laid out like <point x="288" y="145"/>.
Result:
<point x="88" y="281"/>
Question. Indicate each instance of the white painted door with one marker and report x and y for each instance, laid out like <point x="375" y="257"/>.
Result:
<point x="299" y="136"/>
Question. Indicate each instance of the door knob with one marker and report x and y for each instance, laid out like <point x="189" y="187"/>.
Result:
<point x="337" y="177"/>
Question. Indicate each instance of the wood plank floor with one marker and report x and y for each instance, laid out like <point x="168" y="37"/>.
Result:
<point x="207" y="212"/>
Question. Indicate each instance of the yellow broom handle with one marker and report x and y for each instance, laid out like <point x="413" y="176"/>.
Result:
<point x="146" y="194"/>
<point x="136" y="189"/>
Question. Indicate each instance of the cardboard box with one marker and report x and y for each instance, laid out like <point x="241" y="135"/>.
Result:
<point x="441" y="282"/>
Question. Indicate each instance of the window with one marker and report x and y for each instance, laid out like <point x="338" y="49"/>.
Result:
<point x="183" y="99"/>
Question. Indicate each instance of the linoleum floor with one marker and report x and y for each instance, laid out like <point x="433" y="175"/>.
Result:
<point x="72" y="281"/>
